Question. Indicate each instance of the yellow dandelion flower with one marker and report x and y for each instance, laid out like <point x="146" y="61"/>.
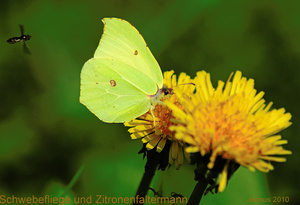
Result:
<point x="232" y="122"/>
<point x="155" y="132"/>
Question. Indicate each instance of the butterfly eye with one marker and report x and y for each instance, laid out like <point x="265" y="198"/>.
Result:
<point x="113" y="83"/>
<point x="167" y="91"/>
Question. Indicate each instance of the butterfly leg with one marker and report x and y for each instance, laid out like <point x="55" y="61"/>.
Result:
<point x="161" y="103"/>
<point x="151" y="110"/>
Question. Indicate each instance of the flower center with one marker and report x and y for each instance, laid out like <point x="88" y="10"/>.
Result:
<point x="228" y="126"/>
<point x="164" y="116"/>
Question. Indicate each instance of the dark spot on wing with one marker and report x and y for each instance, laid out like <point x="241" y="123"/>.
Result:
<point x="113" y="83"/>
<point x="136" y="52"/>
<point x="96" y="83"/>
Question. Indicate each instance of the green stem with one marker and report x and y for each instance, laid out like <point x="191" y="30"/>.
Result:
<point x="153" y="159"/>
<point x="197" y="194"/>
<point x="72" y="182"/>
<point x="144" y="185"/>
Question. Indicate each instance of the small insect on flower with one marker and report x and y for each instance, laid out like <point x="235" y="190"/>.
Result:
<point x="23" y="38"/>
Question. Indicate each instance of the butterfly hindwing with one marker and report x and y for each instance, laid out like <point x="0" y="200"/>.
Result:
<point x="108" y="94"/>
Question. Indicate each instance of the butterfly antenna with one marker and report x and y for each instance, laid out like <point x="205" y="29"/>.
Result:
<point x="186" y="84"/>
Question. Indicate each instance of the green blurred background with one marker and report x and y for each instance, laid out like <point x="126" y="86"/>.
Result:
<point x="46" y="135"/>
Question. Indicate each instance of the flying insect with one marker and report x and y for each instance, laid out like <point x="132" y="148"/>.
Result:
<point x="22" y="38"/>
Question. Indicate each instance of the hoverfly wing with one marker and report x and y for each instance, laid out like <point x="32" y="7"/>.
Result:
<point x="25" y="48"/>
<point x="21" y="29"/>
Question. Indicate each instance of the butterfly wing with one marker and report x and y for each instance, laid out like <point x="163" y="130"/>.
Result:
<point x="115" y="84"/>
<point x="122" y="42"/>
<point x="112" y="90"/>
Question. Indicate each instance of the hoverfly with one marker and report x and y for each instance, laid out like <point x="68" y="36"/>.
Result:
<point x="22" y="38"/>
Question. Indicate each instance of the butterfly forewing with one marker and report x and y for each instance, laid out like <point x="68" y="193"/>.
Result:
<point x="121" y="41"/>
<point x="108" y="94"/>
